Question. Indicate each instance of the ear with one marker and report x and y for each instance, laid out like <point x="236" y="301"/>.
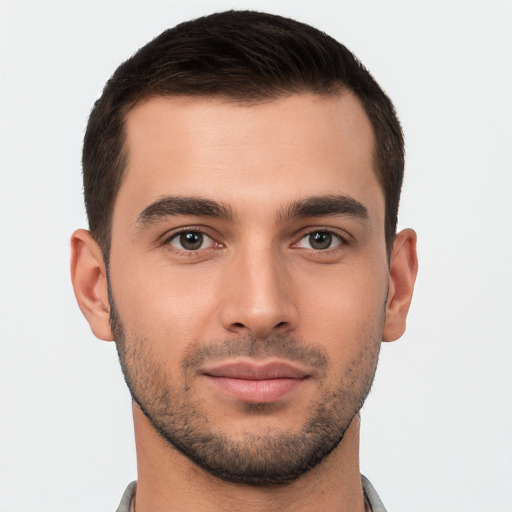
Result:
<point x="89" y="279"/>
<point x="402" y="275"/>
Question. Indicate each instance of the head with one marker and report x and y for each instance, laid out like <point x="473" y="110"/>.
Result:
<point x="242" y="175"/>
<point x="243" y="57"/>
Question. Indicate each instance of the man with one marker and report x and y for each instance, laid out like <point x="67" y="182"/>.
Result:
<point x="242" y="175"/>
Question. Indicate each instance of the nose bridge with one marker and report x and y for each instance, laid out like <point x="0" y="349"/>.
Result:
<point x="258" y="298"/>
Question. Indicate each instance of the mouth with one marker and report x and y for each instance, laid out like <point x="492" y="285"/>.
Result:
<point x="253" y="382"/>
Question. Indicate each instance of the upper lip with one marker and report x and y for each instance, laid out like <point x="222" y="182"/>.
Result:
<point x="250" y="370"/>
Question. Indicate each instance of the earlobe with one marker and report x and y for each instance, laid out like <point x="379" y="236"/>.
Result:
<point x="88" y="275"/>
<point x="402" y="276"/>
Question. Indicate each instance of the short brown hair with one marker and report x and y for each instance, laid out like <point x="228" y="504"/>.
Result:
<point x="244" y="56"/>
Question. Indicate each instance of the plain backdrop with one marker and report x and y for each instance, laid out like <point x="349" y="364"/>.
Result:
<point x="437" y="428"/>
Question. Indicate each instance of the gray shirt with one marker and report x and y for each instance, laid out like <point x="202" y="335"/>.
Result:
<point x="370" y="494"/>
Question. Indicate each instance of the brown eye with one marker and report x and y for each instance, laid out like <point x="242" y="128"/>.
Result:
<point x="191" y="241"/>
<point x="320" y="240"/>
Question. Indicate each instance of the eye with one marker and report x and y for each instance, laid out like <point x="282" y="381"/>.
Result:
<point x="320" y="241"/>
<point x="191" y="241"/>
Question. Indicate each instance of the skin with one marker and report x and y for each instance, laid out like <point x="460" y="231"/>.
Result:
<point x="257" y="275"/>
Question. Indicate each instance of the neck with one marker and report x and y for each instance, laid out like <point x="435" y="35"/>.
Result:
<point x="168" y="481"/>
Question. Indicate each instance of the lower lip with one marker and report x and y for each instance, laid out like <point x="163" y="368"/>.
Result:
<point x="257" y="391"/>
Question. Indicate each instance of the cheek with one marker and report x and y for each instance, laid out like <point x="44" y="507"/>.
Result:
<point x="344" y="311"/>
<point x="164" y="303"/>
<point x="346" y="296"/>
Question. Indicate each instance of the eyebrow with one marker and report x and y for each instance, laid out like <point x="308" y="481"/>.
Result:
<point x="170" y="206"/>
<point x="322" y="206"/>
<point x="316" y="206"/>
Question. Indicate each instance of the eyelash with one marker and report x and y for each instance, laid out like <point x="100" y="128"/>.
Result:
<point x="343" y="241"/>
<point x="190" y="252"/>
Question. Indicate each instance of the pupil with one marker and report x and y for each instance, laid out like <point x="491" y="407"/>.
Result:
<point x="191" y="241"/>
<point x="320" y="240"/>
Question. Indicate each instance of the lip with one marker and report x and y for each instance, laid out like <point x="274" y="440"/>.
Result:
<point x="256" y="382"/>
<point x="255" y="371"/>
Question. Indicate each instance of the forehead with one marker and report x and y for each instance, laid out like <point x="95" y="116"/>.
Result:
<point x="263" y="154"/>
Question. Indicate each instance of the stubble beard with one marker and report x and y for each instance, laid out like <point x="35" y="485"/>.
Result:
<point x="263" y="458"/>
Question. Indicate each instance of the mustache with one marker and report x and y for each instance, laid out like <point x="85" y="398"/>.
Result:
<point x="285" y="347"/>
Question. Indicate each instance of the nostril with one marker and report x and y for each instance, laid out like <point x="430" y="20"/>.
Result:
<point x="280" y="324"/>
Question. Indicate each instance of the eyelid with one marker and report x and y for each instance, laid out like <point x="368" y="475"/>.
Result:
<point x="166" y="238"/>
<point x="207" y="240"/>
<point x="192" y="228"/>
<point x="344" y="237"/>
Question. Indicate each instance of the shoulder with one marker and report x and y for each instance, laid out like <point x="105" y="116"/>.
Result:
<point x="372" y="496"/>
<point x="126" y="500"/>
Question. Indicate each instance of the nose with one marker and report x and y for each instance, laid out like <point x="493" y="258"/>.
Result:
<point x="258" y="295"/>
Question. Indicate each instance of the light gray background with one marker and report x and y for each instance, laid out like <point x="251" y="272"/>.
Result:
<point x="437" y="429"/>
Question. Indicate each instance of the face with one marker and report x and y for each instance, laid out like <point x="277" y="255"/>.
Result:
<point x="249" y="277"/>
